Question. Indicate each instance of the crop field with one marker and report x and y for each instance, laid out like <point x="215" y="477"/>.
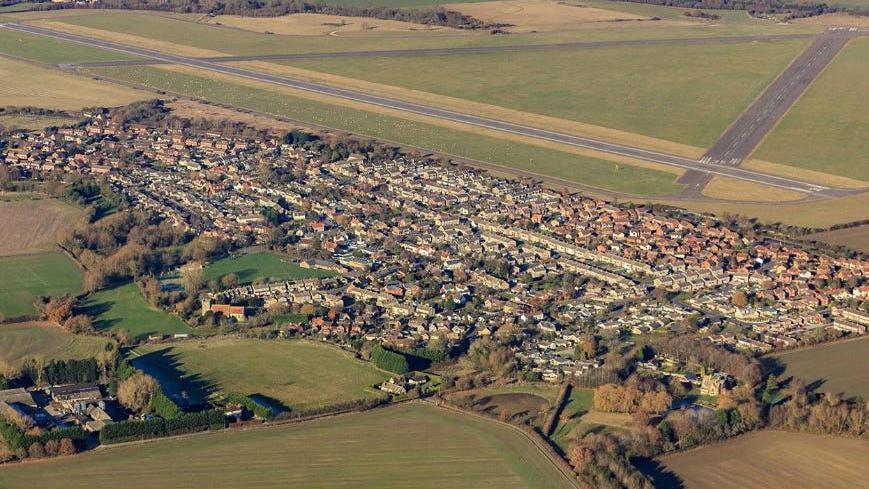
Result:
<point x="544" y="161"/>
<point x="297" y="374"/>
<point x="32" y="226"/>
<point x="124" y="308"/>
<point x="826" y="129"/>
<point x="839" y="367"/>
<point x="43" y="342"/>
<point x="25" y="84"/>
<point x="773" y="459"/>
<point x="856" y="238"/>
<point x="266" y="265"/>
<point x="698" y="90"/>
<point x="411" y="445"/>
<point x="27" y="277"/>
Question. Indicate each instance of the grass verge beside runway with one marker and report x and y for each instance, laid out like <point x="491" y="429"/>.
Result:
<point x="411" y="445"/>
<point x="275" y="100"/>
<point x="25" y="278"/>
<point x="298" y="374"/>
<point x="826" y="130"/>
<point x="697" y="90"/>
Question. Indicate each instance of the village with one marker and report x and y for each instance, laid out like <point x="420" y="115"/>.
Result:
<point x="428" y="255"/>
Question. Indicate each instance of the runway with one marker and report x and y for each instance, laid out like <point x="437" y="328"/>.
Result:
<point x="740" y="139"/>
<point x="391" y="53"/>
<point x="436" y="112"/>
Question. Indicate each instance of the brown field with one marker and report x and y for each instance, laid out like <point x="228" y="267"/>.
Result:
<point x="740" y="190"/>
<point x="27" y="84"/>
<point x="856" y="238"/>
<point x="33" y="226"/>
<point x="774" y="459"/>
<point x="841" y="367"/>
<point x="319" y="24"/>
<point x="518" y="406"/>
<point x="542" y="15"/>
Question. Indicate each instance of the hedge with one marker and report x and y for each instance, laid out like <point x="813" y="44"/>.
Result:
<point x="389" y="360"/>
<point x="260" y="411"/>
<point x="164" y="407"/>
<point x="156" y="428"/>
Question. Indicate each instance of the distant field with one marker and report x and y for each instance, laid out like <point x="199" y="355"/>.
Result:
<point x="32" y="226"/>
<point x="697" y="90"/>
<point x="317" y="24"/>
<point x="16" y="7"/>
<point x="773" y="459"/>
<point x="299" y="374"/>
<point x="586" y="170"/>
<point x="26" y="84"/>
<point x="266" y="265"/>
<point x="856" y="238"/>
<point x="842" y="366"/>
<point x="826" y="129"/>
<point x="33" y="122"/>
<point x="25" y="278"/>
<point x="43" y="342"/>
<point x="124" y="308"/>
<point x="412" y="445"/>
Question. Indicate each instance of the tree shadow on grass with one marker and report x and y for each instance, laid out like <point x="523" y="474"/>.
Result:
<point x="96" y="309"/>
<point x="660" y="475"/>
<point x="276" y="406"/>
<point x="190" y="391"/>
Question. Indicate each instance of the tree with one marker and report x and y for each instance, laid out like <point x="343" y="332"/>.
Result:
<point x="136" y="391"/>
<point x="67" y="447"/>
<point x="193" y="279"/>
<point x="79" y="324"/>
<point x="739" y="298"/>
<point x="229" y="280"/>
<point x="36" y="450"/>
<point x="58" y="309"/>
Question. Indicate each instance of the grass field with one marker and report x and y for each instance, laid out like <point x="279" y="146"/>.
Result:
<point x="826" y="129"/>
<point x="25" y="278"/>
<point x="124" y="308"/>
<point x="33" y="226"/>
<point x="856" y="238"/>
<point x="773" y="459"/>
<point x="412" y="445"/>
<point x="578" y="405"/>
<point x="586" y="170"/>
<point x="25" y="84"/>
<point x="51" y="51"/>
<point x="698" y="90"/>
<point x="43" y="342"/>
<point x="298" y="374"/>
<point x="266" y="265"/>
<point x="840" y="367"/>
<point x="29" y="122"/>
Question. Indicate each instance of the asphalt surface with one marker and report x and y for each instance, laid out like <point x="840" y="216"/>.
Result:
<point x="740" y="139"/>
<point x="472" y="49"/>
<point x="508" y="127"/>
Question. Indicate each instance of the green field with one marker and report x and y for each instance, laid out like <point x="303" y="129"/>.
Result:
<point x="842" y="366"/>
<point x="124" y="308"/>
<point x="772" y="459"/>
<point x="826" y="130"/>
<point x="52" y="51"/>
<point x="43" y="342"/>
<point x="579" y="403"/>
<point x="266" y="265"/>
<point x="412" y="445"/>
<point x="589" y="171"/>
<point x="25" y="278"/>
<point x="688" y="94"/>
<point x="299" y="374"/>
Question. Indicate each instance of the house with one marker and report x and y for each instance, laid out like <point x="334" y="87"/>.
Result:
<point x="395" y="385"/>
<point x="712" y="385"/>
<point x="236" y="312"/>
<point x="74" y="395"/>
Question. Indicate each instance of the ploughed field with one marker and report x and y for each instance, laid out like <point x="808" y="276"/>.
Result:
<point x="296" y="374"/>
<point x="770" y="459"/>
<point x="841" y="367"/>
<point x="410" y="445"/>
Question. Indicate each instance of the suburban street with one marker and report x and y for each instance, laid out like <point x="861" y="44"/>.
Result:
<point x="827" y="43"/>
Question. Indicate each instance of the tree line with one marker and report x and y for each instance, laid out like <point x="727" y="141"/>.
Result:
<point x="157" y="427"/>
<point x="793" y="9"/>
<point x="274" y="8"/>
